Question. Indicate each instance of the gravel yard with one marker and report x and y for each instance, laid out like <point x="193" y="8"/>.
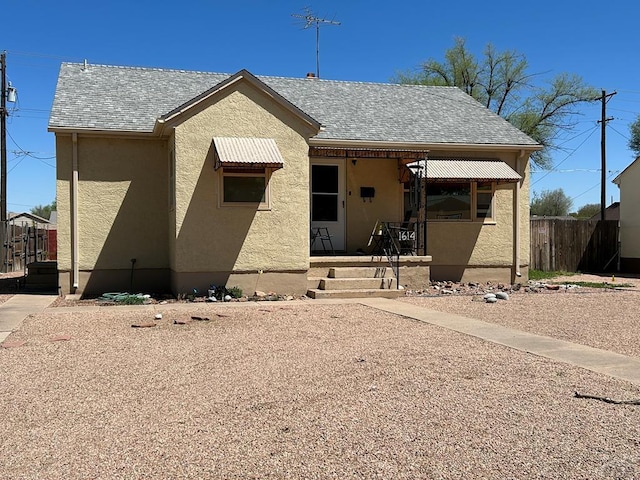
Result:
<point x="607" y="319"/>
<point x="299" y="390"/>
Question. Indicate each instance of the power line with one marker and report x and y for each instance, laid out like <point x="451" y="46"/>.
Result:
<point x="613" y="172"/>
<point x="568" y="156"/>
<point x="27" y="153"/>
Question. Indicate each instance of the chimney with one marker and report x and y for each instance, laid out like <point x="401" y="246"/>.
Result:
<point x="311" y="75"/>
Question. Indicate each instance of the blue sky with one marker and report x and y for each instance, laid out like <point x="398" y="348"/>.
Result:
<point x="375" y="40"/>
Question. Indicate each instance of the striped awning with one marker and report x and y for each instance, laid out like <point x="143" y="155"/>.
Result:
<point x="467" y="169"/>
<point x="242" y="152"/>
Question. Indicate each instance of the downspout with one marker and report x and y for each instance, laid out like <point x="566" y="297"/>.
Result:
<point x="74" y="214"/>
<point x="516" y="218"/>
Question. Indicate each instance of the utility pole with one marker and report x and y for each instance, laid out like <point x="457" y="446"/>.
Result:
<point x="311" y="19"/>
<point x="3" y="163"/>
<point x="603" y="152"/>
<point x="3" y="138"/>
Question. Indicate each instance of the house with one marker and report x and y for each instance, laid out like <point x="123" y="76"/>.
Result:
<point x="612" y="212"/>
<point x="628" y="181"/>
<point x="174" y="180"/>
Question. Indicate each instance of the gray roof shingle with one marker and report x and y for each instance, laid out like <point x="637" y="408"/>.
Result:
<point x="130" y="99"/>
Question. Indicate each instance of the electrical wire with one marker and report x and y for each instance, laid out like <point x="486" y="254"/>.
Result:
<point x="29" y="154"/>
<point x="566" y="158"/>
<point x="613" y="172"/>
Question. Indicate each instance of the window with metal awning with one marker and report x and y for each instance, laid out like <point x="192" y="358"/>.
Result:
<point x="460" y="188"/>
<point x="247" y="153"/>
<point x="245" y="165"/>
<point x="458" y="169"/>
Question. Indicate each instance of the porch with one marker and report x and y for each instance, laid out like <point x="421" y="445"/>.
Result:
<point x="347" y="276"/>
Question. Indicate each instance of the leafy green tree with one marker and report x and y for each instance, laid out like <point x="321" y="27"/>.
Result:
<point x="634" y="141"/>
<point x="587" y="211"/>
<point x="551" y="203"/>
<point x="44" y="211"/>
<point x="501" y="82"/>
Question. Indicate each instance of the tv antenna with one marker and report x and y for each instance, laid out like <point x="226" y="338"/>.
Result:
<point x="310" y="19"/>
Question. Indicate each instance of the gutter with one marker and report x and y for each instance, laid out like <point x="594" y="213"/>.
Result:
<point x="74" y="214"/>
<point x="516" y="219"/>
<point x="367" y="144"/>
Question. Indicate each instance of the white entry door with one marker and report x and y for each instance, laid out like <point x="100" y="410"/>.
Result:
<point x="328" y="200"/>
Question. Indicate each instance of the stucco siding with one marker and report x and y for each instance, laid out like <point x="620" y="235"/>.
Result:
<point x="458" y="246"/>
<point x="122" y="203"/>
<point x="63" y="199"/>
<point x="386" y="205"/>
<point x="629" y="211"/>
<point x="214" y="238"/>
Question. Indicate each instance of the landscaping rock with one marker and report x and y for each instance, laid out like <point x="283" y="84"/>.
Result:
<point x="502" y="295"/>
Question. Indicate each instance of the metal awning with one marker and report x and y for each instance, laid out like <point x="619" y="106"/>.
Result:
<point x="468" y="169"/>
<point x="242" y="152"/>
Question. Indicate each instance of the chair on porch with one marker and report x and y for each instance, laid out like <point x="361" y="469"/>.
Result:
<point x="322" y="234"/>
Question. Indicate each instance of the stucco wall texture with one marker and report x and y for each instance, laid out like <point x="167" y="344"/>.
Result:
<point x="629" y="212"/>
<point x="212" y="237"/>
<point x="125" y="212"/>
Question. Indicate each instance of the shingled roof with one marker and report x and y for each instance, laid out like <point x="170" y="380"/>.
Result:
<point x="131" y="99"/>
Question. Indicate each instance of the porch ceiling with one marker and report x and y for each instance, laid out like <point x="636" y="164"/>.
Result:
<point x="367" y="153"/>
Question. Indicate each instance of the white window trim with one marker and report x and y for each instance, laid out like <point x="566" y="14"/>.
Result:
<point x="266" y="173"/>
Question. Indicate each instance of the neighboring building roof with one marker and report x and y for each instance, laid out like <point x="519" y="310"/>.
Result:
<point x="612" y="212"/>
<point x="235" y="151"/>
<point x="617" y="179"/>
<point x="25" y="217"/>
<point x="131" y="99"/>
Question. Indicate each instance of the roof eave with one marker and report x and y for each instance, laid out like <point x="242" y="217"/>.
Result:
<point x="411" y="146"/>
<point x="102" y="132"/>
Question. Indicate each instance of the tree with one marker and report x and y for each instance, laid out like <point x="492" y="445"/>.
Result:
<point x="500" y="82"/>
<point x="552" y="203"/>
<point x="634" y="141"/>
<point x="588" y="210"/>
<point x="44" y="211"/>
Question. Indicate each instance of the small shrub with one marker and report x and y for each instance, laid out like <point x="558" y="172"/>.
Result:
<point x="235" y="292"/>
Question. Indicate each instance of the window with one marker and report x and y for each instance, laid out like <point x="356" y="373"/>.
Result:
<point x="484" y="200"/>
<point x="460" y="201"/>
<point x="245" y="187"/>
<point x="324" y="193"/>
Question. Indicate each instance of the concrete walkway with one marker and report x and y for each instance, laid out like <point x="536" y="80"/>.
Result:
<point x="19" y="307"/>
<point x="594" y="359"/>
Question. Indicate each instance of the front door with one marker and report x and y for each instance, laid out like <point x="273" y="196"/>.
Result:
<point x="327" y="200"/>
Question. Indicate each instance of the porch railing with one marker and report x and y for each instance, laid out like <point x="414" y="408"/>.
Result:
<point x="398" y="239"/>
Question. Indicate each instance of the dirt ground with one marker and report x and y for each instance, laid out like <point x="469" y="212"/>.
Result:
<point x="312" y="390"/>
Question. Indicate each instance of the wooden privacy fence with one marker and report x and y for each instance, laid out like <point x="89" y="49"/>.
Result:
<point x="23" y="243"/>
<point x="573" y="245"/>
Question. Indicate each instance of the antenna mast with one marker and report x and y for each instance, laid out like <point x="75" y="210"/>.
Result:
<point x="311" y="19"/>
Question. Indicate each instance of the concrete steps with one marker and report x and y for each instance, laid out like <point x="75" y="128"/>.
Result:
<point x="355" y="293"/>
<point x="355" y="282"/>
<point x="42" y="277"/>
